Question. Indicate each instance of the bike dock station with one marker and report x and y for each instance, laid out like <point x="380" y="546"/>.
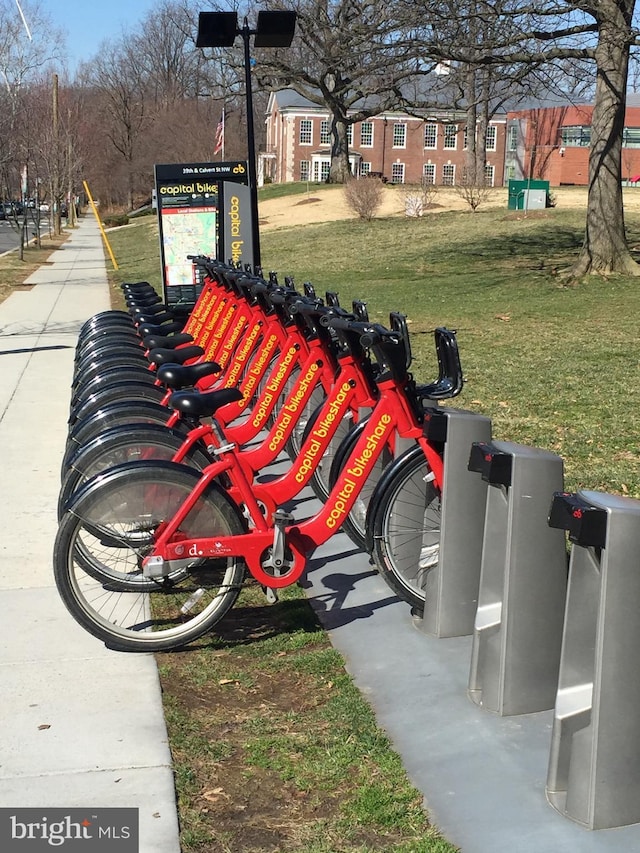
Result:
<point x="532" y="712"/>
<point x="451" y="587"/>
<point x="518" y="626"/>
<point x="594" y="771"/>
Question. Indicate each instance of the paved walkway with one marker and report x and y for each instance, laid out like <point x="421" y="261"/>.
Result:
<point x="80" y="725"/>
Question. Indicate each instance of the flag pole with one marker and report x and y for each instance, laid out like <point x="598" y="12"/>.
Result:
<point x="223" y="132"/>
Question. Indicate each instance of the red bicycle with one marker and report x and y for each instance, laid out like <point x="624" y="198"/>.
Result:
<point x="151" y="555"/>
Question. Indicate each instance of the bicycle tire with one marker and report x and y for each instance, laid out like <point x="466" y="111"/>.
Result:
<point x="125" y="391"/>
<point x="125" y="505"/>
<point x="355" y="523"/>
<point x="126" y="443"/>
<point x="112" y="376"/>
<point x="404" y="526"/>
<point x="115" y="414"/>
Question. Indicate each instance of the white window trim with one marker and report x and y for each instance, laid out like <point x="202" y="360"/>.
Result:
<point x="404" y="172"/>
<point x="433" y="147"/>
<point x="453" y="147"/>
<point x="300" y="142"/>
<point x="393" y="135"/>
<point x="367" y="144"/>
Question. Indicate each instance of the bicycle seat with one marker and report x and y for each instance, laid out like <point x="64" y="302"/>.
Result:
<point x="166" y="341"/>
<point x="203" y="405"/>
<point x="172" y="356"/>
<point x="178" y="376"/>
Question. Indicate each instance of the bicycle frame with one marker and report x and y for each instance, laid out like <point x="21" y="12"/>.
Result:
<point x="299" y="540"/>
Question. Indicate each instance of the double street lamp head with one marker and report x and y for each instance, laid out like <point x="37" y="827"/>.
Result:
<point x="219" y="29"/>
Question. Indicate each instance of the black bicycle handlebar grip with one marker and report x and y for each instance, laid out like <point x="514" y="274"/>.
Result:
<point x="301" y="306"/>
<point x="344" y="323"/>
<point x="259" y="287"/>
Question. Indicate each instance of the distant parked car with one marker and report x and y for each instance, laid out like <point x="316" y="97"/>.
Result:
<point x="44" y="207"/>
<point x="3" y="215"/>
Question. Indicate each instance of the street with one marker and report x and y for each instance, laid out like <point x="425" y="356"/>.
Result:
<point x="9" y="238"/>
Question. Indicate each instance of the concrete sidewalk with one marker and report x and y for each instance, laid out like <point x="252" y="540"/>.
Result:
<point x="80" y="726"/>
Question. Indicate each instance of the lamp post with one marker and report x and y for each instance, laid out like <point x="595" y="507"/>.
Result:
<point x="273" y="29"/>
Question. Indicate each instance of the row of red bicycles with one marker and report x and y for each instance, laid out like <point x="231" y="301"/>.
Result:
<point x="192" y="445"/>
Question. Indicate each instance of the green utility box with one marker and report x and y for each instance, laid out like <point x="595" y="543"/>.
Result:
<point x="528" y="195"/>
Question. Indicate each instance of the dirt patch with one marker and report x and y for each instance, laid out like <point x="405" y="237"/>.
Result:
<point x="260" y="715"/>
<point x="328" y="204"/>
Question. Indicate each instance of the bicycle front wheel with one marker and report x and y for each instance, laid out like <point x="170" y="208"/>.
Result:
<point x="405" y="521"/>
<point x="103" y="539"/>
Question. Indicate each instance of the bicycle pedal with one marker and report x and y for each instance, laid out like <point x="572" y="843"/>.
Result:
<point x="270" y="594"/>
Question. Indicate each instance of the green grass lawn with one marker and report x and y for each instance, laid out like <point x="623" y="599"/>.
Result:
<point x="553" y="366"/>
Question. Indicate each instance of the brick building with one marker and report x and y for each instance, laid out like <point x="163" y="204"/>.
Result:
<point x="552" y="143"/>
<point x="399" y="147"/>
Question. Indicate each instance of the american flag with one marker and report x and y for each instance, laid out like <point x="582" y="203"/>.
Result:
<point x="219" y="145"/>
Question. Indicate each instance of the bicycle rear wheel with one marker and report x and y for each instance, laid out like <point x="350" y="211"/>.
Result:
<point x="127" y="443"/>
<point x="405" y="520"/>
<point x="355" y="523"/>
<point x="103" y="539"/>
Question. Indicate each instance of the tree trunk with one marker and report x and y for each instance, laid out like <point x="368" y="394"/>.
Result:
<point x="605" y="247"/>
<point x="470" y="93"/>
<point x="339" y="172"/>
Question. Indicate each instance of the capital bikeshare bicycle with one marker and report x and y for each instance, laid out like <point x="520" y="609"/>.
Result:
<point x="190" y="539"/>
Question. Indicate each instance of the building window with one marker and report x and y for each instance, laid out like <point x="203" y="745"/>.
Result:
<point x="305" y="170"/>
<point x="489" y="175"/>
<point x="399" y="135"/>
<point x="431" y="136"/>
<point x="366" y="134"/>
<point x="576" y="137"/>
<point x="511" y="172"/>
<point x="365" y="168"/>
<point x="491" y="138"/>
<point x="350" y="134"/>
<point x="306" y="131"/>
<point x="397" y="173"/>
<point x="512" y="137"/>
<point x="631" y="137"/>
<point x="429" y="173"/>
<point x="450" y="136"/>
<point x="449" y="175"/>
<point x="325" y="132"/>
<point x="321" y="168"/>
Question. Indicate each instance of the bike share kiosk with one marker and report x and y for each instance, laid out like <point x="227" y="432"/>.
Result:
<point x="203" y="209"/>
<point x="518" y="625"/>
<point x="594" y="768"/>
<point x="451" y="586"/>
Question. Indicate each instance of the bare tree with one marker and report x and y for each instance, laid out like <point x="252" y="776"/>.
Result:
<point x="530" y="36"/>
<point x="345" y="57"/>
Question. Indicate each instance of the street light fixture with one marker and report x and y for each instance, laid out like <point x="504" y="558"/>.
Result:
<point x="273" y="29"/>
